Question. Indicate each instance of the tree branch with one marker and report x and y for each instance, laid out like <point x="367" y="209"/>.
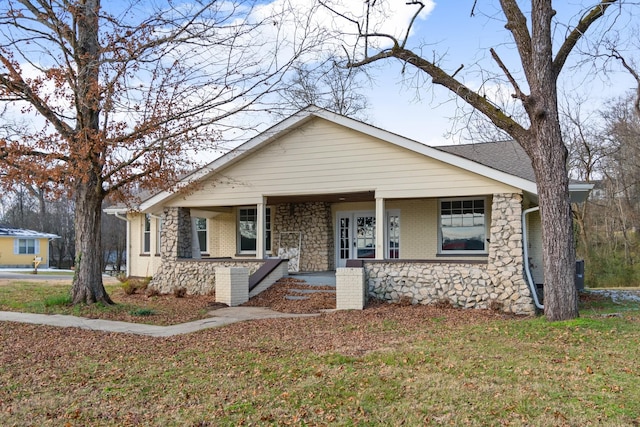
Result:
<point x="519" y="94"/>
<point x="592" y="16"/>
<point x="517" y="25"/>
<point x="635" y="75"/>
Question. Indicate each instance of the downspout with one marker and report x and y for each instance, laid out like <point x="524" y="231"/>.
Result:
<point x="525" y="248"/>
<point x="128" y="260"/>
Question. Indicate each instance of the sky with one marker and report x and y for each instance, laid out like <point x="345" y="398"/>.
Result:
<point x="425" y="114"/>
<point x="414" y="108"/>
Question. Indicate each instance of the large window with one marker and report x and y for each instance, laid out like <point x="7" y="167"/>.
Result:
<point x="201" y="230"/>
<point x="248" y="230"/>
<point x="146" y="234"/>
<point x="463" y="226"/>
<point x="26" y="246"/>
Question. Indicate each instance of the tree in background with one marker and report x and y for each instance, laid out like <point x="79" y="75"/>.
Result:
<point x="329" y="86"/>
<point x="99" y="101"/>
<point x="31" y="208"/>
<point x="533" y="85"/>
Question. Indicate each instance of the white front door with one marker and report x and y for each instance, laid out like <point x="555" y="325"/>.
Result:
<point x="356" y="236"/>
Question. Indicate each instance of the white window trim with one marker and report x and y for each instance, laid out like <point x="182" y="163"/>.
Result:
<point x="387" y="233"/>
<point x="440" y="251"/>
<point x="144" y="233"/>
<point x="16" y="246"/>
<point x="267" y="227"/>
<point x="206" y="235"/>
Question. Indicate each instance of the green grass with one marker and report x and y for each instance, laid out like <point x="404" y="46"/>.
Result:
<point x="54" y="298"/>
<point x="413" y="371"/>
<point x="516" y="372"/>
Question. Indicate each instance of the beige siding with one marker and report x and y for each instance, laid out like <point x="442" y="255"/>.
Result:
<point x="142" y="265"/>
<point x="322" y="157"/>
<point x="222" y="235"/>
<point x="418" y="225"/>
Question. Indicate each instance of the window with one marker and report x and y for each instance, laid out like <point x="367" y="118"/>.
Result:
<point x="201" y="230"/>
<point x="248" y="229"/>
<point x="463" y="226"/>
<point x="393" y="235"/>
<point x="146" y="234"/>
<point x="26" y="246"/>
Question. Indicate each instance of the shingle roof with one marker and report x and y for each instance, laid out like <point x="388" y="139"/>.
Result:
<point x="505" y="156"/>
<point x="6" y="231"/>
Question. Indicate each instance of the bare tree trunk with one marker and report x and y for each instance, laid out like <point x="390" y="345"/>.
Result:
<point x="87" y="281"/>
<point x="560" y="295"/>
<point x="89" y="194"/>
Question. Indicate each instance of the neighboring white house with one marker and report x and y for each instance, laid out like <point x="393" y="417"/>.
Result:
<point x="324" y="190"/>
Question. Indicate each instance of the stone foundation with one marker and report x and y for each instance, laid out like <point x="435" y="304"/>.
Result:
<point x="461" y="285"/>
<point x="197" y="276"/>
<point x="499" y="283"/>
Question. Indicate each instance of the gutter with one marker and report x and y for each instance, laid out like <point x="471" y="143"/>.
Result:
<point x="525" y="248"/>
<point x="128" y="260"/>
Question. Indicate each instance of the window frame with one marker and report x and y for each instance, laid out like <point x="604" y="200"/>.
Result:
<point x="267" y="230"/>
<point x="17" y="246"/>
<point x="146" y="235"/>
<point x="470" y="252"/>
<point x="389" y="214"/>
<point x="206" y="233"/>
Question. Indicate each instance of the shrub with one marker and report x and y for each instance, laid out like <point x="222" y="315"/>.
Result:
<point x="180" y="292"/>
<point x="133" y="284"/>
<point x="142" y="312"/>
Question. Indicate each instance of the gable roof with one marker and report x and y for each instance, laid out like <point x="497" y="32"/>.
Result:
<point x="303" y="116"/>
<point x="506" y="156"/>
<point x="6" y="231"/>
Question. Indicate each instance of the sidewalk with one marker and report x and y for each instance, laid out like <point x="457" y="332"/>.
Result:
<point x="220" y="317"/>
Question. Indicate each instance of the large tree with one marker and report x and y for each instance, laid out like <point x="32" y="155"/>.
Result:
<point x="534" y="85"/>
<point x="111" y="99"/>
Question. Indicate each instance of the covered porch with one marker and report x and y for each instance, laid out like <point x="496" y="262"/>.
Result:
<point x="406" y="255"/>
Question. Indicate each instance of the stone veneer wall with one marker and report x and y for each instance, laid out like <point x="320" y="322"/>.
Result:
<point x="177" y="269"/>
<point x="498" y="283"/>
<point x="313" y="219"/>
<point x="197" y="276"/>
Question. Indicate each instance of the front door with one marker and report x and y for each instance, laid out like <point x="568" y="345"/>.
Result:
<point x="356" y="236"/>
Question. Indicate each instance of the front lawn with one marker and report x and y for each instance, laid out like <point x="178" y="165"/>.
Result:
<point x="54" y="298"/>
<point x="385" y="365"/>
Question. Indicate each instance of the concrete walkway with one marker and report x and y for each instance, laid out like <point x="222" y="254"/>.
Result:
<point x="220" y="317"/>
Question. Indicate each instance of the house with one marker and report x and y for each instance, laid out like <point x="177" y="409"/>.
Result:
<point x="19" y="248"/>
<point x="328" y="192"/>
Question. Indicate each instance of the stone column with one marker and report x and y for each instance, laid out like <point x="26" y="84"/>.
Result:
<point x="176" y="234"/>
<point x="505" y="263"/>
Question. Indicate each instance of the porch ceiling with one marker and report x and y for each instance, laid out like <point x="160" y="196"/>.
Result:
<point x="364" y="196"/>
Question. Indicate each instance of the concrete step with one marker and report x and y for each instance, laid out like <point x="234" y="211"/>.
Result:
<point x="312" y="291"/>
<point x="296" y="297"/>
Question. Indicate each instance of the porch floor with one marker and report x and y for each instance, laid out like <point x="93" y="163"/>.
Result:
<point x="316" y="278"/>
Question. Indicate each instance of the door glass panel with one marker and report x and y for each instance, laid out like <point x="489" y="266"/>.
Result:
<point x="365" y="236"/>
<point x="345" y="239"/>
<point x="393" y="233"/>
